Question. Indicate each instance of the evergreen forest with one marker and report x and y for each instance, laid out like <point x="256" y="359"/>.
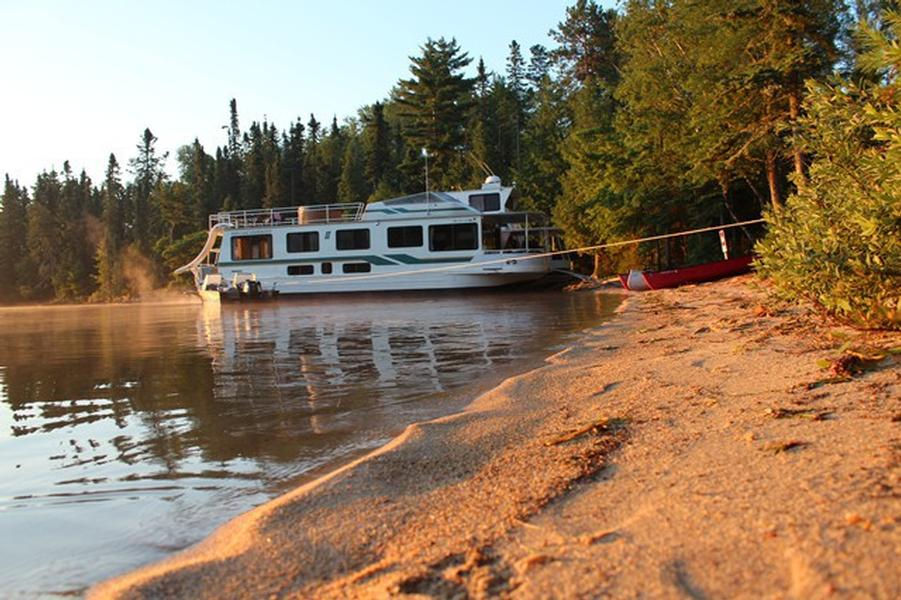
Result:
<point x="657" y="116"/>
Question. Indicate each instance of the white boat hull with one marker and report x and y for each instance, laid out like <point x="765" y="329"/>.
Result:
<point x="405" y="278"/>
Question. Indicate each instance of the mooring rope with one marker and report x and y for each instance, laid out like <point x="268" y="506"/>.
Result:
<point x="531" y="256"/>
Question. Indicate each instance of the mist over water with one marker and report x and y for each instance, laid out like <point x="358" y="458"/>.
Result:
<point x="128" y="432"/>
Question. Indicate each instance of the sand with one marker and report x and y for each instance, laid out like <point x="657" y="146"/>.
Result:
<point x="692" y="447"/>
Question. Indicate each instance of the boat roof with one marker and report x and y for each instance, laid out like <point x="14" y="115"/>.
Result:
<point x="490" y="198"/>
<point x="444" y="202"/>
<point x="420" y="198"/>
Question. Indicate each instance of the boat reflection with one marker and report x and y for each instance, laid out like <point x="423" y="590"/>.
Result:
<point x="322" y="372"/>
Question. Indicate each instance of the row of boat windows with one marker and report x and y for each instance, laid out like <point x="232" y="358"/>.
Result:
<point x="442" y="238"/>
<point x="326" y="268"/>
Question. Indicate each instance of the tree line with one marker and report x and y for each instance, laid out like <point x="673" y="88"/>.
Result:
<point x="658" y="116"/>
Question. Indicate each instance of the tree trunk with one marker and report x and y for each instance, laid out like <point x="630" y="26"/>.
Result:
<point x="773" y="180"/>
<point x="794" y="111"/>
<point x="596" y="273"/>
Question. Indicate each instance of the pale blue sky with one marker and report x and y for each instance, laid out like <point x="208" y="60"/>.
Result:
<point x="82" y="79"/>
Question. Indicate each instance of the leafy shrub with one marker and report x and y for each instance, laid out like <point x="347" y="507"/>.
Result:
<point x="182" y="250"/>
<point x="837" y="242"/>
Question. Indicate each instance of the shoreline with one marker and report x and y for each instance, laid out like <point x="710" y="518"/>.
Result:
<point x="675" y="449"/>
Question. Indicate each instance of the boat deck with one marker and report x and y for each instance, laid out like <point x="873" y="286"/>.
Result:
<point x="290" y="215"/>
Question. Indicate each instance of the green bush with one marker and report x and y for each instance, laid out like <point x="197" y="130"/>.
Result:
<point x="182" y="250"/>
<point x="837" y="242"/>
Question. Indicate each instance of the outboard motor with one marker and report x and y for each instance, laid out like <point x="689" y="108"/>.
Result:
<point x="251" y="288"/>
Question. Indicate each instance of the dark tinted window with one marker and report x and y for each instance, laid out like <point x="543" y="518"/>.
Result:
<point x="405" y="237"/>
<point x="326" y="268"/>
<point x="300" y="270"/>
<point x="361" y="267"/>
<point x="251" y="247"/>
<point x="459" y="236"/>
<point x="352" y="239"/>
<point x="485" y="202"/>
<point x="304" y="241"/>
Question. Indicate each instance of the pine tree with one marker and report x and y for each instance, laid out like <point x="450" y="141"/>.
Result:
<point x="517" y="73"/>
<point x="44" y="225"/>
<point x="191" y="212"/>
<point x="436" y="101"/>
<point x="110" y="283"/>
<point x="504" y="135"/>
<point x="543" y="165"/>
<point x="352" y="186"/>
<point x="481" y="126"/>
<point x="253" y="186"/>
<point x="204" y="202"/>
<point x="234" y="130"/>
<point x="293" y="154"/>
<point x="540" y="63"/>
<point x="175" y="202"/>
<point x="654" y="117"/>
<point x="587" y="207"/>
<point x="312" y="166"/>
<point x="516" y="82"/>
<point x="273" y="195"/>
<point x="13" y="241"/>
<point x="77" y="250"/>
<point x="230" y="174"/>
<point x="147" y="168"/>
<point x="377" y="146"/>
<point x="587" y="44"/>
<point x="331" y="156"/>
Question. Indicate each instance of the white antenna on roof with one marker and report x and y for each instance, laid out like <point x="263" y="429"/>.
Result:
<point x="425" y="154"/>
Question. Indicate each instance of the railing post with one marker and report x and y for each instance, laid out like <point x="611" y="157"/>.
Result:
<point x="527" y="232"/>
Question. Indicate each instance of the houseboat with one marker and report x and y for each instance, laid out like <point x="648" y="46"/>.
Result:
<point x="425" y="241"/>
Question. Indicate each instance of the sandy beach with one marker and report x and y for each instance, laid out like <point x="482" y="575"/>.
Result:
<point x="706" y="443"/>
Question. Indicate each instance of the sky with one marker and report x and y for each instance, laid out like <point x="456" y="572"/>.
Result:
<point x="82" y="79"/>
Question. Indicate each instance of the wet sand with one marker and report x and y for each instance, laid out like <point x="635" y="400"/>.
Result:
<point x="691" y="447"/>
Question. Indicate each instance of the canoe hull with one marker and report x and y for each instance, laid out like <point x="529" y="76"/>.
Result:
<point x="656" y="280"/>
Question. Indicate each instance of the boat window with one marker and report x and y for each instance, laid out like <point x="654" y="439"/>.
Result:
<point x="491" y="234"/>
<point x="405" y="237"/>
<point x="303" y="241"/>
<point x="485" y="202"/>
<point x="352" y="239"/>
<point x="421" y="198"/>
<point x="459" y="236"/>
<point x="251" y="247"/>
<point x="360" y="267"/>
<point x="326" y="268"/>
<point x="300" y="269"/>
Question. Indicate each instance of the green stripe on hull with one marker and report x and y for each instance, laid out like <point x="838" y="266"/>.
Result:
<point x="412" y="260"/>
<point x="370" y="258"/>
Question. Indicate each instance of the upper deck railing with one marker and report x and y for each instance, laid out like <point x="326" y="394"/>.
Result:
<point x="290" y="215"/>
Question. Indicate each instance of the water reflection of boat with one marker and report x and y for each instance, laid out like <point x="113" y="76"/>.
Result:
<point x="349" y="357"/>
<point x="430" y="240"/>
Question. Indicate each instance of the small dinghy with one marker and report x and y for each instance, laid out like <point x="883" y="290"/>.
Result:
<point x="638" y="281"/>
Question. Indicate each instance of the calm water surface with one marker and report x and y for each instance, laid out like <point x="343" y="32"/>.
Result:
<point x="130" y="432"/>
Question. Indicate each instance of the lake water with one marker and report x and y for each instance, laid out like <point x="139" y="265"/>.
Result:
<point x="130" y="432"/>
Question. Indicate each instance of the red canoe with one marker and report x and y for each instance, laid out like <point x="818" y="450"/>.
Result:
<point x="655" y="280"/>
